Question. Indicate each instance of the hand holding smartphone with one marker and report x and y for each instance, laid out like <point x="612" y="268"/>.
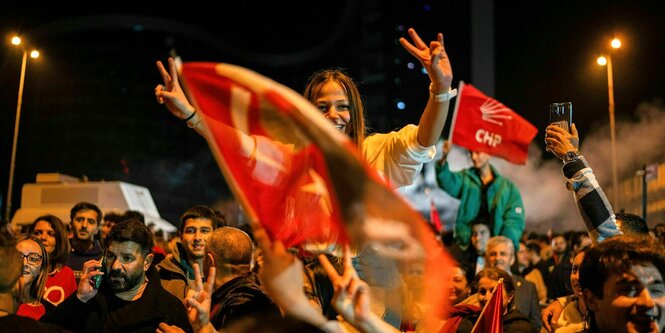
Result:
<point x="561" y="114"/>
<point x="98" y="279"/>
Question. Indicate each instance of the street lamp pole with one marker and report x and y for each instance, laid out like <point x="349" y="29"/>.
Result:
<point x="613" y="147"/>
<point x="10" y="183"/>
<point x="607" y="60"/>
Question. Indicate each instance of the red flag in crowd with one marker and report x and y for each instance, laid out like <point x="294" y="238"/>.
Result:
<point x="491" y="318"/>
<point x="279" y="177"/>
<point x="434" y="217"/>
<point x="483" y="124"/>
<point x="303" y="180"/>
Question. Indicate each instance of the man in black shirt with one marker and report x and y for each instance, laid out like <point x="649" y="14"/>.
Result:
<point x="130" y="296"/>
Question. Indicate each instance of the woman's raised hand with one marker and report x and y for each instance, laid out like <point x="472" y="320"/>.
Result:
<point x="170" y="93"/>
<point x="433" y="58"/>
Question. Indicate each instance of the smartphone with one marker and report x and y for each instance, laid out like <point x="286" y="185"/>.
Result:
<point x="561" y="114"/>
<point x="98" y="279"/>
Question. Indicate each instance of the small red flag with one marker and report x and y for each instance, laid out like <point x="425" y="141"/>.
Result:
<point x="483" y="124"/>
<point x="434" y="217"/>
<point x="491" y="318"/>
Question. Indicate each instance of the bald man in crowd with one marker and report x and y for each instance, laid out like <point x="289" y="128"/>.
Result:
<point x="237" y="290"/>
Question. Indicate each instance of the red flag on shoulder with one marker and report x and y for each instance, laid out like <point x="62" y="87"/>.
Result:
<point x="483" y="124"/>
<point x="491" y="318"/>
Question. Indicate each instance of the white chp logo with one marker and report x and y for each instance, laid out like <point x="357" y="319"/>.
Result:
<point x="496" y="113"/>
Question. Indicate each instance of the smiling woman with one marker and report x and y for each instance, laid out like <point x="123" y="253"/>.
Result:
<point x="336" y="95"/>
<point x="33" y="278"/>
<point x="397" y="156"/>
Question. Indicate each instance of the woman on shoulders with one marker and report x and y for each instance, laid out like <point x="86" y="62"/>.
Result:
<point x="397" y="156"/>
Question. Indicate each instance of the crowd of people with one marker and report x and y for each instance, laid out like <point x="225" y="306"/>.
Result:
<point x="112" y="273"/>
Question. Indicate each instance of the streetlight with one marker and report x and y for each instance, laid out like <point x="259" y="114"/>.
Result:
<point x="607" y="61"/>
<point x="16" y="40"/>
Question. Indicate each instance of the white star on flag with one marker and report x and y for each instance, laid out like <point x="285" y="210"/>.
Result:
<point x="318" y="186"/>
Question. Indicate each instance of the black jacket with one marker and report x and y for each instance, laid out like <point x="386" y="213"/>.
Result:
<point x="108" y="313"/>
<point x="515" y="321"/>
<point x="17" y="324"/>
<point x="558" y="284"/>
<point x="238" y="298"/>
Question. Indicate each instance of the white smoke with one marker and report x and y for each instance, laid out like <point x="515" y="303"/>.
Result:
<point x="638" y="142"/>
<point x="547" y="202"/>
<point x="549" y="205"/>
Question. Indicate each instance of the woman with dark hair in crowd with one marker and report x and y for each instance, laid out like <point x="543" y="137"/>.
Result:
<point x="513" y="320"/>
<point x="52" y="233"/>
<point x="33" y="278"/>
<point x="460" y="288"/>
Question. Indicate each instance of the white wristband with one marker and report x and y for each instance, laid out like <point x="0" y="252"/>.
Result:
<point x="442" y="97"/>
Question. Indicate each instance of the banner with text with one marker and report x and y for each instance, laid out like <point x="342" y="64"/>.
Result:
<point x="483" y="124"/>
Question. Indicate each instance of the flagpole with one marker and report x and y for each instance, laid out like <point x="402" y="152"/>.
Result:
<point x="452" y="122"/>
<point x="486" y="306"/>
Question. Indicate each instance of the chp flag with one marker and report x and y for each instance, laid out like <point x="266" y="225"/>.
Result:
<point x="483" y="124"/>
<point x="303" y="181"/>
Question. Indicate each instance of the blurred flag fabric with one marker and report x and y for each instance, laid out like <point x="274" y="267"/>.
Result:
<point x="491" y="318"/>
<point x="275" y="172"/>
<point x="304" y="181"/>
<point x="483" y="124"/>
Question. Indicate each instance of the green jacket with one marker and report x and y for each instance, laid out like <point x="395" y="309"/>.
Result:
<point x="503" y="201"/>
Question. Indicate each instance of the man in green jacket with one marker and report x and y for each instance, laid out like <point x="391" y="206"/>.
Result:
<point x="482" y="192"/>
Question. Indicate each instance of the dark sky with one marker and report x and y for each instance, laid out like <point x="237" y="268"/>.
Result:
<point x="89" y="107"/>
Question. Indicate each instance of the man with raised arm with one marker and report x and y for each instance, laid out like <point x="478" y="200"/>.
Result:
<point x="595" y="209"/>
<point x="483" y="194"/>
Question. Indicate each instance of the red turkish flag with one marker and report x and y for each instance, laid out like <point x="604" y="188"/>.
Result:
<point x="483" y="124"/>
<point x="275" y="172"/>
<point x="303" y="180"/>
<point x="491" y="318"/>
